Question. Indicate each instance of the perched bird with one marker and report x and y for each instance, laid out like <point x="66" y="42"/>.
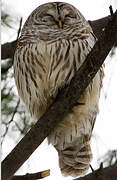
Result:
<point x="54" y="43"/>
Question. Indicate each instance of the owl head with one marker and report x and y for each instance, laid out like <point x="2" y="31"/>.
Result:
<point x="54" y="20"/>
<point x="56" y="15"/>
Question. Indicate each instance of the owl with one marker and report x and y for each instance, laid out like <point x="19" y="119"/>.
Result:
<point x="54" y="42"/>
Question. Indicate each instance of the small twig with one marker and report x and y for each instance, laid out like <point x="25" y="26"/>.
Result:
<point x="34" y="176"/>
<point x="111" y="10"/>
<point x="108" y="173"/>
<point x="15" y="110"/>
<point x="92" y="168"/>
<point x="101" y="166"/>
<point x="19" y="30"/>
<point x="95" y="172"/>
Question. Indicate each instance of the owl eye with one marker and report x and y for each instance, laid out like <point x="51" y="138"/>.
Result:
<point x="70" y="16"/>
<point x="49" y="15"/>
<point x="46" y="17"/>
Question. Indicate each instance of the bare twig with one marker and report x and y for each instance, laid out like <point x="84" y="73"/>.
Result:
<point x="34" y="176"/>
<point x="91" y="168"/>
<point x="108" y="173"/>
<point x="111" y="10"/>
<point x="15" y="110"/>
<point x="19" y="30"/>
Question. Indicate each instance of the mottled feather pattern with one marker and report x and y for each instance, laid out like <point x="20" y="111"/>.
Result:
<point x="46" y="59"/>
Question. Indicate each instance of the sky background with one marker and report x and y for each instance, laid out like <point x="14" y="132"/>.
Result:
<point x="105" y="132"/>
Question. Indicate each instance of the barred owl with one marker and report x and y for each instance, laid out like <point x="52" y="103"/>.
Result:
<point x="54" y="43"/>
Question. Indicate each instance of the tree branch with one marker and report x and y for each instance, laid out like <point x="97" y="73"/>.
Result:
<point x="34" y="176"/>
<point x="8" y="50"/>
<point x="64" y="102"/>
<point x="99" y="24"/>
<point x="108" y="173"/>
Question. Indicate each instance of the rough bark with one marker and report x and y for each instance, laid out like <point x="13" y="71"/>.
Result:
<point x="8" y="50"/>
<point x="64" y="102"/>
<point x="108" y="173"/>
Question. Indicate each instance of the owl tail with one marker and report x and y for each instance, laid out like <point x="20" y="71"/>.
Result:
<point x="74" y="162"/>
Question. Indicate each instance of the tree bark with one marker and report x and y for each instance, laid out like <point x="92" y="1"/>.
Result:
<point x="64" y="102"/>
<point x="34" y="176"/>
<point x="108" y="173"/>
<point x="8" y="50"/>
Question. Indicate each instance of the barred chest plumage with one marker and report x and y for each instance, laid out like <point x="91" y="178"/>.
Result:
<point x="41" y="68"/>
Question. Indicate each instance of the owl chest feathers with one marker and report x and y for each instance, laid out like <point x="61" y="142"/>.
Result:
<point x="45" y="67"/>
<point x="41" y="69"/>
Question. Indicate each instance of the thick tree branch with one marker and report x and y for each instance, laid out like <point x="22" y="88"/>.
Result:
<point x="8" y="49"/>
<point x="108" y="173"/>
<point x="64" y="102"/>
<point x="99" y="24"/>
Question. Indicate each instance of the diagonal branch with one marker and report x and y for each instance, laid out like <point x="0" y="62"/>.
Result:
<point x="64" y="102"/>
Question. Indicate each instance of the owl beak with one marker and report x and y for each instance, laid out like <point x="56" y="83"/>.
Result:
<point x="60" y="24"/>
